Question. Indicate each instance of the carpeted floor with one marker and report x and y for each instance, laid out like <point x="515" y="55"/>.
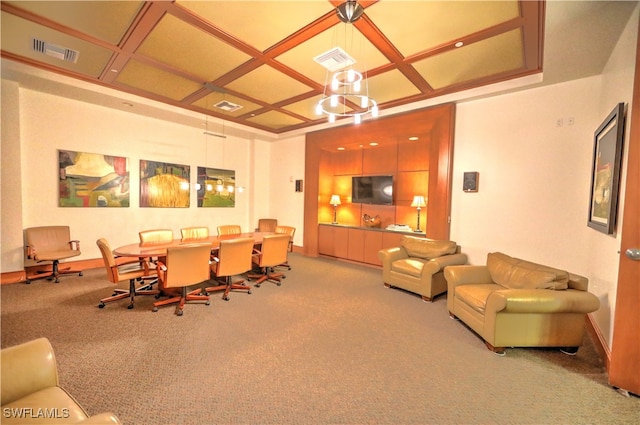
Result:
<point x="329" y="346"/>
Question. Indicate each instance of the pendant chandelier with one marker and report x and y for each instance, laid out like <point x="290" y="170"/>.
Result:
<point x="348" y="93"/>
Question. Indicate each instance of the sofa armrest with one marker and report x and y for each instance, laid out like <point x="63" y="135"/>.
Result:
<point x="541" y="301"/>
<point x="389" y="255"/>
<point x="101" y="419"/>
<point x="450" y="260"/>
<point x="27" y="368"/>
<point x="465" y="275"/>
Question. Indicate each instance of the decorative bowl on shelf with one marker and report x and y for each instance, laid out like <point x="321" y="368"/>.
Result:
<point x="371" y="221"/>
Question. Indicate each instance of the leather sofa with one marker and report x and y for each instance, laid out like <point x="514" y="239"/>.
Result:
<point x="417" y="264"/>
<point x="31" y="393"/>
<point x="511" y="302"/>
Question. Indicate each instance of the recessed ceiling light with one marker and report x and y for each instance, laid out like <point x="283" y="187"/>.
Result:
<point x="340" y="148"/>
<point x="459" y="44"/>
<point x="373" y="144"/>
<point x="413" y="138"/>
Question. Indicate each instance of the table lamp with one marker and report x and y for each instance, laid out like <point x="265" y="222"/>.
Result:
<point x="335" y="201"/>
<point x="418" y="202"/>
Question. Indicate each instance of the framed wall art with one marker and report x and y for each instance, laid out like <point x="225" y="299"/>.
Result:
<point x="164" y="185"/>
<point x="92" y="180"/>
<point x="216" y="187"/>
<point x="605" y="171"/>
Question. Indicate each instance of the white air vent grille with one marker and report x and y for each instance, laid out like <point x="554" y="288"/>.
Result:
<point x="54" y="51"/>
<point x="227" y="106"/>
<point x="334" y="59"/>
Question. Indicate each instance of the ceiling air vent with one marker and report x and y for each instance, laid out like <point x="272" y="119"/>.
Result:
<point x="52" y="50"/>
<point x="334" y="59"/>
<point x="227" y="106"/>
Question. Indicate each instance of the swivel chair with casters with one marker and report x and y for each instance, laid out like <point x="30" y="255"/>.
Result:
<point x="267" y="225"/>
<point x="51" y="243"/>
<point x="286" y="230"/>
<point x="272" y="253"/>
<point x="119" y="271"/>
<point x="234" y="257"/>
<point x="185" y="266"/>
<point x="229" y="229"/>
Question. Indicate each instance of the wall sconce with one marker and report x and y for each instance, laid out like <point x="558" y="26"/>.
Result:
<point x="335" y="201"/>
<point x="418" y="202"/>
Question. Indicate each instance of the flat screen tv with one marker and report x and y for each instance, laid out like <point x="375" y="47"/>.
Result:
<point x="372" y="190"/>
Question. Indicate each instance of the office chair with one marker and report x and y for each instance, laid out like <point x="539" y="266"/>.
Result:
<point x="132" y="270"/>
<point x="232" y="258"/>
<point x="229" y="229"/>
<point x="272" y="253"/>
<point x="186" y="265"/>
<point x="51" y="243"/>
<point x="267" y="225"/>
<point x="287" y="230"/>
<point x="193" y="233"/>
<point x="155" y="236"/>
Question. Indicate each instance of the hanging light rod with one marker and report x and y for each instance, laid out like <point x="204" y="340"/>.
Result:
<point x="211" y="133"/>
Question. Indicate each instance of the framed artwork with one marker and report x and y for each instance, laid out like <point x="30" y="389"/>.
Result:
<point x="164" y="185"/>
<point x="92" y="180"/>
<point x="216" y="187"/>
<point x="605" y="171"/>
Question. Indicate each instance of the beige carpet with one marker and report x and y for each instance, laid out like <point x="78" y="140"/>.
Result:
<point x="329" y="346"/>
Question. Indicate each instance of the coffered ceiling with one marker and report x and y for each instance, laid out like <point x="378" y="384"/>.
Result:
<point x="252" y="62"/>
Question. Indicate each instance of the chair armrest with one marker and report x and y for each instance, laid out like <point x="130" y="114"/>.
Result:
<point x="27" y="368"/>
<point x="450" y="260"/>
<point x="101" y="419"/>
<point x="541" y="301"/>
<point x="31" y="251"/>
<point x="466" y="275"/>
<point x="74" y="245"/>
<point x="389" y="255"/>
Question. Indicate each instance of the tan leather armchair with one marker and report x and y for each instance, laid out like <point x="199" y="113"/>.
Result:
<point x="31" y="393"/>
<point x="417" y="265"/>
<point x="511" y="302"/>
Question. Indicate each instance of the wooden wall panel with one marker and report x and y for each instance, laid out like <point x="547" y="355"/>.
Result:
<point x="380" y="160"/>
<point x="347" y="162"/>
<point x="410" y="184"/>
<point x="414" y="155"/>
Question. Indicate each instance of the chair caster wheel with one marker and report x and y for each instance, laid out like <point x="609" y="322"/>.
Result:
<point x="249" y="292"/>
<point x="207" y="303"/>
<point x="101" y="305"/>
<point x="157" y="296"/>
<point x="225" y="298"/>
<point x="80" y="274"/>
<point x="155" y="309"/>
<point x="279" y="283"/>
<point x="28" y="282"/>
<point x="130" y="306"/>
<point x="179" y="313"/>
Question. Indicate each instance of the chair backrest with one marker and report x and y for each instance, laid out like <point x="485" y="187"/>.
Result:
<point x="229" y="229"/>
<point x="187" y="265"/>
<point x="194" y="232"/>
<point x="155" y="236"/>
<point x="235" y="256"/>
<point x="109" y="260"/>
<point x="48" y="238"/>
<point x="267" y="225"/>
<point x="274" y="250"/>
<point x="288" y="230"/>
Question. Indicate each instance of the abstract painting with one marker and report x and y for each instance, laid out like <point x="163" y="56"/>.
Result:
<point x="164" y="185"/>
<point x="216" y="187"/>
<point x="92" y="180"/>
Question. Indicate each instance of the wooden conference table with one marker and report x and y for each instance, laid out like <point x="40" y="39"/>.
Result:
<point x="160" y="249"/>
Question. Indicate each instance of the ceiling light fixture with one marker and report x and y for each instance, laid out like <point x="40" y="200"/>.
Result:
<point x="348" y="93"/>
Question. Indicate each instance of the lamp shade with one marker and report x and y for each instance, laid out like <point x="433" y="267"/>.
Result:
<point x="419" y="202"/>
<point x="335" y="200"/>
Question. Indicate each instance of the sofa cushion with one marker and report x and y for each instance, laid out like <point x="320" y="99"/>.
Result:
<point x="409" y="266"/>
<point x="427" y="248"/>
<point x="515" y="273"/>
<point x="475" y="296"/>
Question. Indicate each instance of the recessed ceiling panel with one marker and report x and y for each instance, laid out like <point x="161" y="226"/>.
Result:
<point x="153" y="80"/>
<point x="106" y="20"/>
<point x="17" y="35"/>
<point x="347" y="37"/>
<point x="259" y="23"/>
<point x="496" y="55"/>
<point x="269" y="85"/>
<point x="415" y="26"/>
<point x="390" y="86"/>
<point x="305" y="108"/>
<point x="275" y="120"/>
<point x="190" y="49"/>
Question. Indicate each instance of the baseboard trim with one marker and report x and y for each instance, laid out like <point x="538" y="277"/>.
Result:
<point x="598" y="341"/>
<point x="21" y="275"/>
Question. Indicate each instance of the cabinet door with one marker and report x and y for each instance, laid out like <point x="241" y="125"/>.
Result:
<point x="356" y="245"/>
<point x="325" y="240"/>
<point x="340" y="241"/>
<point x="372" y="244"/>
